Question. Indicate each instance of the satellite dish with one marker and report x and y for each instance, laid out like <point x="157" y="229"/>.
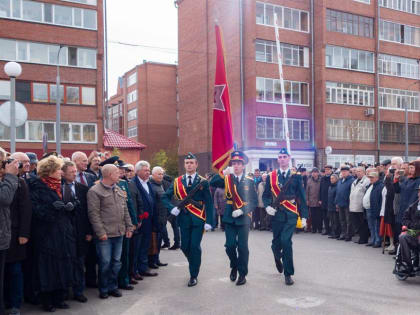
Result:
<point x="328" y="150"/>
<point x="21" y="114"/>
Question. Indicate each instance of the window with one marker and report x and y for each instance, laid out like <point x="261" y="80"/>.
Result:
<point x="350" y="130"/>
<point x="293" y="55"/>
<point x="289" y="18"/>
<point x="40" y="92"/>
<point x="349" y="94"/>
<point x="132" y="97"/>
<point x="132" y="132"/>
<point x="395" y="132"/>
<point x="89" y="133"/>
<point x="349" y="23"/>
<point x="132" y="79"/>
<point x="34" y="11"/>
<point x="90" y="2"/>
<point x="269" y="90"/>
<point x="409" y="6"/>
<point x="72" y="95"/>
<point x="4" y="90"/>
<point x="53" y="93"/>
<point x="132" y="114"/>
<point x="399" y="33"/>
<point x="351" y="59"/>
<point x="88" y="96"/>
<point x="271" y="128"/>
<point x="363" y="1"/>
<point x="398" y="99"/>
<point x="46" y="54"/>
<point x="398" y="66"/>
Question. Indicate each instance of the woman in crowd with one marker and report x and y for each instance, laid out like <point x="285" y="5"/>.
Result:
<point x="53" y="235"/>
<point x="332" y="208"/>
<point x="407" y="188"/>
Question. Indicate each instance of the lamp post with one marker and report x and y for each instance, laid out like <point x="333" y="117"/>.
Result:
<point x="13" y="70"/>
<point x="57" y="103"/>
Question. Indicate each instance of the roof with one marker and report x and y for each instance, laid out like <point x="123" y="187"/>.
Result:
<point x="113" y="139"/>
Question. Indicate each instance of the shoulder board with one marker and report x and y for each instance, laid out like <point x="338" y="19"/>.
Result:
<point x="201" y="177"/>
<point x="250" y="178"/>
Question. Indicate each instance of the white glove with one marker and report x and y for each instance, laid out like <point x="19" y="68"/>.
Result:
<point x="207" y="227"/>
<point x="175" y="211"/>
<point x="237" y="213"/>
<point x="226" y="171"/>
<point x="271" y="211"/>
<point x="303" y="223"/>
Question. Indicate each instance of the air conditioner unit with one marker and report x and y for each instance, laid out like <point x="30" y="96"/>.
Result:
<point x="369" y="112"/>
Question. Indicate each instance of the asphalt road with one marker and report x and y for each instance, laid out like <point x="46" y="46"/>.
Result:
<point x="332" y="277"/>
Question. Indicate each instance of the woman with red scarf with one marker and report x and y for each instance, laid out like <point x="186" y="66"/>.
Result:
<point x="53" y="235"/>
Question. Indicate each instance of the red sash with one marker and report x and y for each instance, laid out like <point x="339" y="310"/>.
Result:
<point x="232" y="193"/>
<point x="275" y="189"/>
<point x="181" y="193"/>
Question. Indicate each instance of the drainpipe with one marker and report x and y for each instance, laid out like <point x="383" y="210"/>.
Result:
<point x="242" y="73"/>
<point x="378" y="113"/>
<point x="312" y="75"/>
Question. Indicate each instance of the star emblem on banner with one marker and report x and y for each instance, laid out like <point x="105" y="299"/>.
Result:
<point x="218" y="102"/>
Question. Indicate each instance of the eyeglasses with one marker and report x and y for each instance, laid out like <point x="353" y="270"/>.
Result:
<point x="283" y="157"/>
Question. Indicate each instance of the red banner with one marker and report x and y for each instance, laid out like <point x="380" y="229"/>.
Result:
<point x="222" y="145"/>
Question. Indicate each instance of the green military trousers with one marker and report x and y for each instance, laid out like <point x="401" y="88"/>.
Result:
<point x="191" y="236"/>
<point x="123" y="275"/>
<point x="282" y="240"/>
<point x="237" y="247"/>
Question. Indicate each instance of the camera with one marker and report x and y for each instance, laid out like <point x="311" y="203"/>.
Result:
<point x="8" y="161"/>
<point x="392" y="170"/>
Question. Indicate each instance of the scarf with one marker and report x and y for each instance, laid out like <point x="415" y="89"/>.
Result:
<point x="53" y="184"/>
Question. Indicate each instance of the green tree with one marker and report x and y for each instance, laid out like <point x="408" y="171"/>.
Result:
<point x="168" y="160"/>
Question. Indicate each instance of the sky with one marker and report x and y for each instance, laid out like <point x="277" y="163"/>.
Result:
<point x="149" y="31"/>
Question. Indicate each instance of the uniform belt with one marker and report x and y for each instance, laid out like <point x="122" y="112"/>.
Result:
<point x="230" y="202"/>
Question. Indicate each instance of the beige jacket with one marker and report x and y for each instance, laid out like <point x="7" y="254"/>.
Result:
<point x="108" y="212"/>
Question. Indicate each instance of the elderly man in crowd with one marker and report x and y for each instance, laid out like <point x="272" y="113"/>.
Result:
<point x="83" y="177"/>
<point x="323" y="197"/>
<point x="76" y="193"/>
<point x="372" y="201"/>
<point x="94" y="167"/>
<point x="108" y="214"/>
<point x="20" y="214"/>
<point x="159" y="186"/>
<point x="358" y="189"/>
<point x="312" y="200"/>
<point x="8" y="187"/>
<point x="141" y="190"/>
<point x="342" y="201"/>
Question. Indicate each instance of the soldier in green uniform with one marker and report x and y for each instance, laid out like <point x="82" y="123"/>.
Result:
<point x="192" y="219"/>
<point x="288" y="185"/>
<point x="123" y="275"/>
<point x="241" y="200"/>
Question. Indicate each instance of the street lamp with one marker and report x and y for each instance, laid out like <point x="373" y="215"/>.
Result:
<point x="13" y="70"/>
<point x="58" y="117"/>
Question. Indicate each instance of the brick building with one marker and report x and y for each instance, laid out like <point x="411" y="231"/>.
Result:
<point x="144" y="107"/>
<point x="31" y="33"/>
<point x="340" y="57"/>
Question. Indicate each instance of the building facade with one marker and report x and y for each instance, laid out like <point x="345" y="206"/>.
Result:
<point x="145" y="107"/>
<point x="350" y="68"/>
<point x="41" y="35"/>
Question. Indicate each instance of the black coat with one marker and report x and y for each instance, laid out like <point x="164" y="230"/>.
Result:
<point x="323" y="191"/>
<point x="53" y="240"/>
<point x="389" y="216"/>
<point x="80" y="219"/>
<point x="411" y="217"/>
<point x="162" y="211"/>
<point x="20" y="214"/>
<point x="376" y="198"/>
<point x="332" y="192"/>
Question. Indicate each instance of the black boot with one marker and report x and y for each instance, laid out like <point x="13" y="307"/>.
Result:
<point x="288" y="280"/>
<point x="241" y="280"/>
<point x="233" y="274"/>
<point x="279" y="265"/>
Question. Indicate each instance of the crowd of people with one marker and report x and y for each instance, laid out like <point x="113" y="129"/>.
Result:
<point x="71" y="223"/>
<point x="368" y="201"/>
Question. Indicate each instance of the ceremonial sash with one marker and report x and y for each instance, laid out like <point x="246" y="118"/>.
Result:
<point x="181" y="193"/>
<point x="275" y="189"/>
<point x="232" y="193"/>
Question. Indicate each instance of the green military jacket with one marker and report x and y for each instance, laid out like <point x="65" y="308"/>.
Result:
<point x="294" y="191"/>
<point x="186" y="218"/>
<point x="248" y="194"/>
<point x="123" y="184"/>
